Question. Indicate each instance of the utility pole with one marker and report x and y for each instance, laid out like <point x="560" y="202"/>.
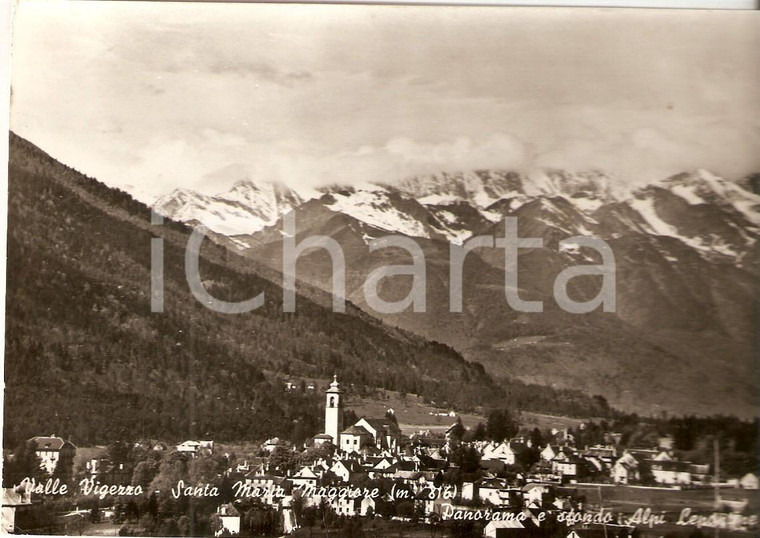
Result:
<point x="716" y="455"/>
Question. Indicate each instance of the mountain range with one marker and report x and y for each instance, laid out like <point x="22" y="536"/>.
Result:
<point x="683" y="338"/>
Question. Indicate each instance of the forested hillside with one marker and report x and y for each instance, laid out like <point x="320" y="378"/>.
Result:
<point x="86" y="359"/>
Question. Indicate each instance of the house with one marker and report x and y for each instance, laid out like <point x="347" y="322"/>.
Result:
<point x="347" y="470"/>
<point x="603" y="452"/>
<point x="15" y="501"/>
<point x="344" y="506"/>
<point x="626" y="469"/>
<point x="409" y="478"/>
<point x="507" y="452"/>
<point x="304" y="477"/>
<point x="749" y="481"/>
<point x="568" y="465"/>
<point x="664" y="455"/>
<point x="230" y="519"/>
<point x="270" y="444"/>
<point x="383" y="467"/>
<point x="671" y="472"/>
<point x="595" y="464"/>
<point x="51" y="450"/>
<point x="272" y="486"/>
<point x="549" y="452"/>
<point x="468" y="491"/>
<point x="492" y="466"/>
<point x="367" y="506"/>
<point x="322" y="439"/>
<point x="666" y="442"/>
<point x="499" y="496"/>
<point x="487" y="488"/>
<point x="196" y="448"/>
<point x="109" y="473"/>
<point x="533" y="494"/>
<point x="241" y="467"/>
<point x="700" y="473"/>
<point x="506" y="527"/>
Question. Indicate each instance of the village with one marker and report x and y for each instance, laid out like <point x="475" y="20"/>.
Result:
<point x="368" y="478"/>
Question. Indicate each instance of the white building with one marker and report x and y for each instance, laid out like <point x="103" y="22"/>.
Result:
<point x="13" y="501"/>
<point x="196" y="448"/>
<point x="230" y="519"/>
<point x="334" y="411"/>
<point x="50" y="450"/>
<point x="749" y="481"/>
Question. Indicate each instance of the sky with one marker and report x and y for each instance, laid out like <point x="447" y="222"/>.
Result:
<point x="149" y="97"/>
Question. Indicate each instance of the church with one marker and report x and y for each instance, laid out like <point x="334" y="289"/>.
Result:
<point x="367" y="435"/>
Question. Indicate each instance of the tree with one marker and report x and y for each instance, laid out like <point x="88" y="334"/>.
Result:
<point x="478" y="433"/>
<point x="215" y="523"/>
<point x="405" y="508"/>
<point x="144" y="474"/>
<point x="537" y="438"/>
<point x="502" y="425"/>
<point x="203" y="470"/>
<point x="169" y="474"/>
<point x="23" y="464"/>
<point x="457" y="430"/>
<point x="118" y="452"/>
<point x="466" y="458"/>
<point x="183" y="524"/>
<point x="64" y="468"/>
<point x="309" y="516"/>
<point x="318" y="452"/>
<point x="283" y="458"/>
<point x="349" y="417"/>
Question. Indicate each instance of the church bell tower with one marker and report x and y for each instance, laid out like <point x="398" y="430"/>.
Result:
<point x="334" y="411"/>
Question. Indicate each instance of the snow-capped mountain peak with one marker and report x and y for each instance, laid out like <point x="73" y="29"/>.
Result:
<point x="245" y="208"/>
<point x="703" y="187"/>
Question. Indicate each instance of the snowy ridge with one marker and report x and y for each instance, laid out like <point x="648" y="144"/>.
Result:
<point x="702" y="187"/>
<point x="370" y="204"/>
<point x="455" y="206"/>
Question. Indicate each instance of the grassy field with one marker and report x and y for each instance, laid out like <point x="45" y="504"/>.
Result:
<point x="547" y="422"/>
<point x="411" y="412"/>
<point x="87" y="453"/>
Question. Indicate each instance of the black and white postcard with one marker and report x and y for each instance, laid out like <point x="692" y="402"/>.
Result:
<point x="381" y="271"/>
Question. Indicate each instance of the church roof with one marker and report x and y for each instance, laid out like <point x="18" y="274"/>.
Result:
<point x="380" y="424"/>
<point x="356" y="430"/>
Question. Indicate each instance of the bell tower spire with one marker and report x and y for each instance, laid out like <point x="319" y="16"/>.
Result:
<point x="334" y="410"/>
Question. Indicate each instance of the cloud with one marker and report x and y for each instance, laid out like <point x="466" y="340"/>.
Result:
<point x="395" y="159"/>
<point x="157" y="96"/>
